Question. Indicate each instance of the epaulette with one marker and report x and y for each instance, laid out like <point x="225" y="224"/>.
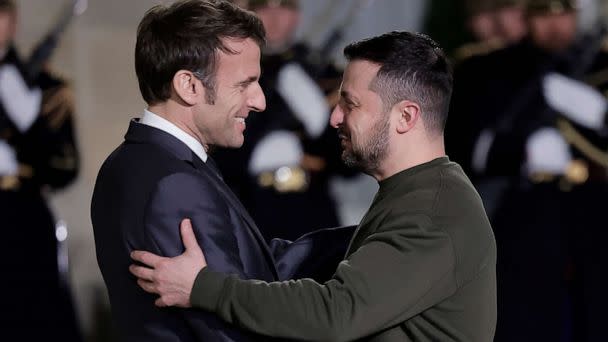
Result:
<point x="477" y="49"/>
<point x="57" y="105"/>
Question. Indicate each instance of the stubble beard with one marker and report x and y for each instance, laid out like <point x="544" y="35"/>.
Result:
<point x="369" y="156"/>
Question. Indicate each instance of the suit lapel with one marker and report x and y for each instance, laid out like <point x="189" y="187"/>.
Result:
<point x="236" y="203"/>
<point x="139" y="133"/>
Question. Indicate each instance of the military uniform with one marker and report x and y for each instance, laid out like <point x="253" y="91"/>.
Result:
<point x="478" y="48"/>
<point x="548" y="225"/>
<point x="39" y="303"/>
<point x="586" y="189"/>
<point x="289" y="194"/>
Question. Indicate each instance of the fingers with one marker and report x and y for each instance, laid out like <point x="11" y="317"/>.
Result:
<point x="141" y="272"/>
<point x="147" y="286"/>
<point x="146" y="258"/>
<point x="188" y="236"/>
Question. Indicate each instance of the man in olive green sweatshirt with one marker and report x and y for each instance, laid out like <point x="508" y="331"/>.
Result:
<point x="421" y="265"/>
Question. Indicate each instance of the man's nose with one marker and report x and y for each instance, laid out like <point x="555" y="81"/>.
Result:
<point x="257" y="101"/>
<point x="336" y="118"/>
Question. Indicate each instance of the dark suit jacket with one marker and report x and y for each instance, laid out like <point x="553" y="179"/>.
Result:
<point x="144" y="189"/>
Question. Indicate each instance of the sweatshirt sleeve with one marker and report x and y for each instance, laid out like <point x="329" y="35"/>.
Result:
<point x="398" y="272"/>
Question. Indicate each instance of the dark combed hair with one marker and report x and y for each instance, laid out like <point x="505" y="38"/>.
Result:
<point x="188" y="35"/>
<point x="412" y="67"/>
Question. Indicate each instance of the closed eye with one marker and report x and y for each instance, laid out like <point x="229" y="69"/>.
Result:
<point x="245" y="83"/>
<point x="346" y="104"/>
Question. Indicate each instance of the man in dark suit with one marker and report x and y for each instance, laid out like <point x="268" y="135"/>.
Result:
<point x="198" y="64"/>
<point x="421" y="266"/>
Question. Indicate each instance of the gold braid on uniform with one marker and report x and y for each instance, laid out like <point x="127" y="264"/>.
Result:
<point x="57" y="105"/>
<point x="581" y="143"/>
<point x="477" y="49"/>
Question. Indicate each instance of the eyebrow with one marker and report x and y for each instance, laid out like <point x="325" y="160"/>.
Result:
<point x="248" y="81"/>
<point x="348" y="97"/>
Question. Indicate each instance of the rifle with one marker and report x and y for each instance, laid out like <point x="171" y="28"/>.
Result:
<point x="43" y="51"/>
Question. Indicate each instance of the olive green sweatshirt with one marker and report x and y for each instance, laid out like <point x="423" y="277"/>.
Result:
<point x="420" y="267"/>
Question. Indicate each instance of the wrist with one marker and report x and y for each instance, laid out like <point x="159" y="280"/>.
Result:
<point x="206" y="289"/>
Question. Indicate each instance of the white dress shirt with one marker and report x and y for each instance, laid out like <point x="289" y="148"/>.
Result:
<point x="156" y="121"/>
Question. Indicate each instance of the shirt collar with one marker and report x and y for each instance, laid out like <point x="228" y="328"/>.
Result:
<point x="156" y="121"/>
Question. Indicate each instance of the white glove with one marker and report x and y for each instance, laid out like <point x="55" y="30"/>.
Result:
<point x="576" y="100"/>
<point x="547" y="152"/>
<point x="21" y="103"/>
<point x="304" y="98"/>
<point x="8" y="160"/>
<point x="277" y="149"/>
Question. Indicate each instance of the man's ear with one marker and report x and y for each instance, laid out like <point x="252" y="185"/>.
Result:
<point x="407" y="115"/>
<point x="187" y="87"/>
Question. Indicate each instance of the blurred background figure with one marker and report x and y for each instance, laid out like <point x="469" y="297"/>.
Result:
<point x="472" y="27"/>
<point x="481" y="20"/>
<point x="282" y="172"/>
<point x="528" y="123"/>
<point x="501" y="20"/>
<point x="96" y="53"/>
<point x="493" y="24"/>
<point x="37" y="156"/>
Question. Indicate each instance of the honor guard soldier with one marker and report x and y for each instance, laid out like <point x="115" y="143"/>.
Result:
<point x="283" y="170"/>
<point x="493" y="24"/>
<point x="532" y="133"/>
<point x="37" y="155"/>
